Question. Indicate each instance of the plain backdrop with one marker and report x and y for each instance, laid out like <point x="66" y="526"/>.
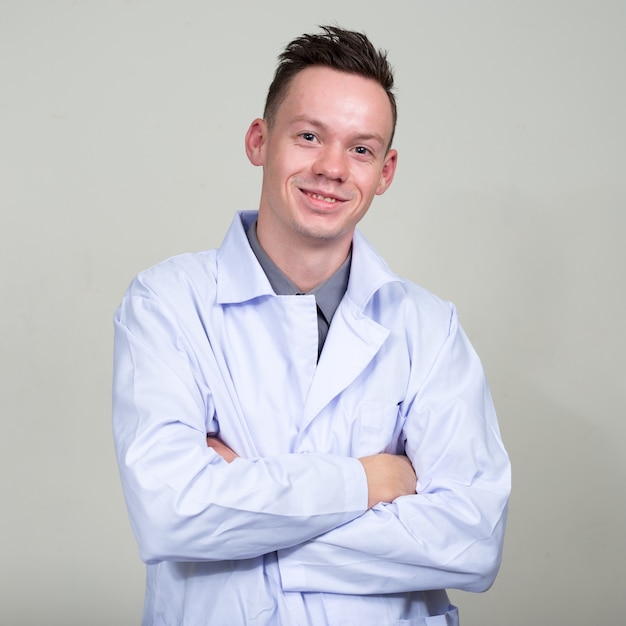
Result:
<point x="121" y="144"/>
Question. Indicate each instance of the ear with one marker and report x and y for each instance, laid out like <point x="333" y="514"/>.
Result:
<point x="256" y="138"/>
<point x="388" y="172"/>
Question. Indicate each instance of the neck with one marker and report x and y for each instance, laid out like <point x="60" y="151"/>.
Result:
<point x="307" y="262"/>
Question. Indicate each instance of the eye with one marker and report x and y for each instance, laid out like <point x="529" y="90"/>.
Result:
<point x="307" y="136"/>
<point x="362" y="150"/>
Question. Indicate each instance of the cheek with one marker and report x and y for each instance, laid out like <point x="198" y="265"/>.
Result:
<point x="369" y="185"/>
<point x="275" y="173"/>
<point x="284" y="166"/>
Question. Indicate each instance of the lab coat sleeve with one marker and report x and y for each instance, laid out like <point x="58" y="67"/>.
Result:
<point x="450" y="534"/>
<point x="185" y="503"/>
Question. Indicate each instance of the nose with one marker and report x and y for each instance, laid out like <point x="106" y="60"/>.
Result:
<point x="331" y="162"/>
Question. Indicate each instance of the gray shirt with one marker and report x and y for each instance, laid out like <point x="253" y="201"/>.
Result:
<point x="328" y="294"/>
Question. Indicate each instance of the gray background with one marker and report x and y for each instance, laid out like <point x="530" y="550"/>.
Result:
<point x="121" y="143"/>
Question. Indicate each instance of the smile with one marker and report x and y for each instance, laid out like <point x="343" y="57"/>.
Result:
<point x="319" y="196"/>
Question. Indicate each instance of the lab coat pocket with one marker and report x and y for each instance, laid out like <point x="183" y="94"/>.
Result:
<point x="379" y="428"/>
<point x="450" y="618"/>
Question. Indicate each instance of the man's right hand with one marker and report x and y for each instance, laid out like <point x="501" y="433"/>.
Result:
<point x="389" y="476"/>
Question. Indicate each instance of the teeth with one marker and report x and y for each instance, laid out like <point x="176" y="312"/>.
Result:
<point x="318" y="196"/>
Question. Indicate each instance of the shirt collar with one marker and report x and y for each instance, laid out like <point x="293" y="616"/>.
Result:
<point x="241" y="277"/>
<point x="328" y="294"/>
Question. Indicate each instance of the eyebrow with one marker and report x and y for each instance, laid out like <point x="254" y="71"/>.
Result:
<point x="321" y="126"/>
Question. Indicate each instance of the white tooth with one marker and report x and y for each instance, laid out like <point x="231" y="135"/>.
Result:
<point x="318" y="196"/>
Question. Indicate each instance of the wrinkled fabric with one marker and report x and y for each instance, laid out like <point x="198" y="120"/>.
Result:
<point x="282" y="535"/>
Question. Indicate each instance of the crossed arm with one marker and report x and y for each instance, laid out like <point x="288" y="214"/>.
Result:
<point x="389" y="476"/>
<point x="449" y="536"/>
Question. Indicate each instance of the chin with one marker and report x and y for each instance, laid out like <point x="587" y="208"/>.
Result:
<point x="319" y="233"/>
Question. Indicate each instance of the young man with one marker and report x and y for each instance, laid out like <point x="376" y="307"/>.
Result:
<point x="304" y="437"/>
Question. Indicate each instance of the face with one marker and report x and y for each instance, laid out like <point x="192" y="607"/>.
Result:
<point x="324" y="158"/>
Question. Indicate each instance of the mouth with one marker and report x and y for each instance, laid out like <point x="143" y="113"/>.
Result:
<point x="321" y="197"/>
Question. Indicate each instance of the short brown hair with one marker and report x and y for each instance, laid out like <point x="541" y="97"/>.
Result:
<point x="336" y="48"/>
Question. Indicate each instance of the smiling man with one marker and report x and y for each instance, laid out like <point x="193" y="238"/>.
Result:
<point x="304" y="438"/>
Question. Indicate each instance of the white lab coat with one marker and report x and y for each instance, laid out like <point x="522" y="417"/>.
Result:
<point x="282" y="536"/>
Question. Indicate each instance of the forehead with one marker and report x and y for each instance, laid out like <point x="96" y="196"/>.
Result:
<point x="337" y="98"/>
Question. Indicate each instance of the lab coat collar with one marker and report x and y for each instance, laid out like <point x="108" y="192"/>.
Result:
<point x="239" y="275"/>
<point x="241" y="278"/>
<point x="368" y="272"/>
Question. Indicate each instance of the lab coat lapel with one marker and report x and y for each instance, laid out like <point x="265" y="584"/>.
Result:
<point x="353" y="341"/>
<point x="354" y="336"/>
<point x="239" y="279"/>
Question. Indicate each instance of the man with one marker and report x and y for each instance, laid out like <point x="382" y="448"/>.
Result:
<point x="304" y="437"/>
